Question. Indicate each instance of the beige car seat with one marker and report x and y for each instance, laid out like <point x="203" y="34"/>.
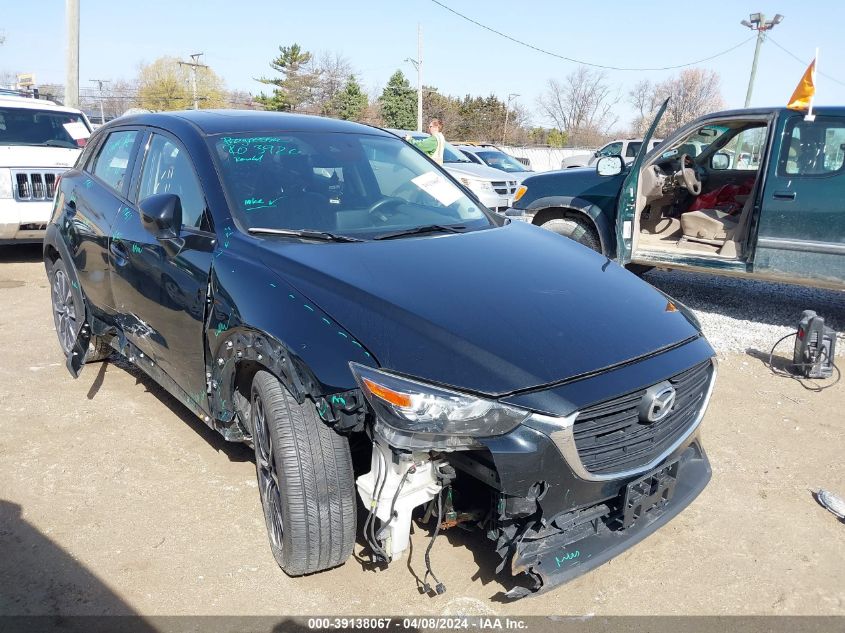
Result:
<point x="708" y="225"/>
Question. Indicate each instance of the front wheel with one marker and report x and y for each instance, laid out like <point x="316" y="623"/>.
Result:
<point x="574" y="228"/>
<point x="305" y="480"/>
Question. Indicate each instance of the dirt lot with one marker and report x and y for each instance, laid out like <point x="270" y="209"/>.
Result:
<point x="113" y="499"/>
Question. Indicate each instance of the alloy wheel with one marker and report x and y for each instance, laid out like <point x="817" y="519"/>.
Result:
<point x="64" y="311"/>
<point x="268" y="479"/>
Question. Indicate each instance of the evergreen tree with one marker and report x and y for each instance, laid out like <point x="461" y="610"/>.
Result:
<point x="350" y="102"/>
<point x="295" y="89"/>
<point x="399" y="103"/>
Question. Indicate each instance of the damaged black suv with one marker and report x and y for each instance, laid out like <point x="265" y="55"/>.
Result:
<point x="306" y="285"/>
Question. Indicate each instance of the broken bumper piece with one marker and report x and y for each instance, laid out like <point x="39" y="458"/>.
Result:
<point x="578" y="542"/>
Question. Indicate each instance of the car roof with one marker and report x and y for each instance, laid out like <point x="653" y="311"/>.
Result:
<point x="31" y="103"/>
<point x="211" y="122"/>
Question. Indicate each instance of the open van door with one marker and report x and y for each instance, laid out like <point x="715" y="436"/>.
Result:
<point x="626" y="206"/>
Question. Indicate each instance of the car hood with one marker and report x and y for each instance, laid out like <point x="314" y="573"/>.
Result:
<point x="474" y="170"/>
<point x="491" y="311"/>
<point x="44" y="157"/>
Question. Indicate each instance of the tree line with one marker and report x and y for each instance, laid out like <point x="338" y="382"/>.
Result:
<point x="582" y="107"/>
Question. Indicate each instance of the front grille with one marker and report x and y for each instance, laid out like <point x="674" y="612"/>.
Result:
<point x="35" y="185"/>
<point x="504" y="187"/>
<point x="610" y="437"/>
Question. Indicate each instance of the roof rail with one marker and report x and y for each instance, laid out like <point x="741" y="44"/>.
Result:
<point x="18" y="93"/>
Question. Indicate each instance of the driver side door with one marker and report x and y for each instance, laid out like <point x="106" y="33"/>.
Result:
<point x="160" y="286"/>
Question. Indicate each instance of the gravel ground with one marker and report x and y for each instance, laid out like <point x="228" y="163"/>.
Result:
<point x="743" y="315"/>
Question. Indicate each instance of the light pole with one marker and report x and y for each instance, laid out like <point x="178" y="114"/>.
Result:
<point x="100" y="83"/>
<point x="418" y="65"/>
<point x="757" y="22"/>
<point x="507" y="113"/>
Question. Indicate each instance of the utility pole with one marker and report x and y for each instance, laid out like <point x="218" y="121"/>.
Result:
<point x="100" y="83"/>
<point x="194" y="65"/>
<point x="418" y="65"/>
<point x="72" y="68"/>
<point x="757" y="22"/>
<point x="507" y="113"/>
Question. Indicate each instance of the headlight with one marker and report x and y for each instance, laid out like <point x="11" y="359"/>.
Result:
<point x="520" y="191"/>
<point x="477" y="185"/>
<point x="5" y="183"/>
<point x="412" y="407"/>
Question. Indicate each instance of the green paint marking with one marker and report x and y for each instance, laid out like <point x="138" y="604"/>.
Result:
<point x="358" y="344"/>
<point x="221" y="327"/>
<point x="560" y="560"/>
<point x="343" y="334"/>
<point x="137" y="249"/>
<point x="308" y="307"/>
<point x="292" y="297"/>
<point x="339" y="400"/>
<point x="272" y="284"/>
<point x="326" y="321"/>
<point x="74" y="284"/>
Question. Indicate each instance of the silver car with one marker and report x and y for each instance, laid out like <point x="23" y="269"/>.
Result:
<point x="497" y="159"/>
<point x="493" y="187"/>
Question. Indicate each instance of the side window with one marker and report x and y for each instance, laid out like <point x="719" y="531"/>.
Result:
<point x="813" y="148"/>
<point x="113" y="160"/>
<point x="632" y="150"/>
<point x="611" y="150"/>
<point x="168" y="170"/>
<point x="746" y="149"/>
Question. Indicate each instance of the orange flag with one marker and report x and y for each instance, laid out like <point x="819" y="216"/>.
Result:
<point x="802" y="98"/>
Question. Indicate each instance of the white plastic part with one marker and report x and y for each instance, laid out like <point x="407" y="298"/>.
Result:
<point x="420" y="487"/>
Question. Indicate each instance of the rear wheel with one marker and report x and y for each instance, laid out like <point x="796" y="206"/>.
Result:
<point x="68" y="313"/>
<point x="305" y="481"/>
<point x="577" y="229"/>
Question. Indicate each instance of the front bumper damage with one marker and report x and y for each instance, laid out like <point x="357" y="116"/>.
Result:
<point x="542" y="554"/>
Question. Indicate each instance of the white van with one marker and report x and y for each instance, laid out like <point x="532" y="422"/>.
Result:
<point x="39" y="140"/>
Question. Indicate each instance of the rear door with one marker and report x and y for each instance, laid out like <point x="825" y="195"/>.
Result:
<point x="92" y="202"/>
<point x="160" y="287"/>
<point x="801" y="230"/>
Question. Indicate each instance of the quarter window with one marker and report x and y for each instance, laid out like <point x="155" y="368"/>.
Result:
<point x="112" y="162"/>
<point x="813" y="148"/>
<point x="167" y="169"/>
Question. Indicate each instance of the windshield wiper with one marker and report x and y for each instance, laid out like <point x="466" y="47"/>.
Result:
<point x="429" y="228"/>
<point x="324" y="236"/>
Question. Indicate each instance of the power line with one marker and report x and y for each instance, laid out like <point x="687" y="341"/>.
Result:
<point x="805" y="63"/>
<point x="585" y="63"/>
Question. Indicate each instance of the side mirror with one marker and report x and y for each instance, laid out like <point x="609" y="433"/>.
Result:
<point x="161" y="215"/>
<point x="597" y="153"/>
<point x="720" y="160"/>
<point x="610" y="165"/>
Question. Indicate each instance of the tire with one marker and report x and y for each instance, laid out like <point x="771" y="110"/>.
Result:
<point x="68" y="308"/>
<point x="305" y="481"/>
<point x="576" y="229"/>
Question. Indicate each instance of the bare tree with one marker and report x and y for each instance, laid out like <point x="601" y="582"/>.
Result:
<point x="693" y="93"/>
<point x="582" y="105"/>
<point x="333" y="69"/>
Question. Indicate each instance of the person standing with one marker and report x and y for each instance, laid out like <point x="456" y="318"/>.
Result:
<point x="432" y="145"/>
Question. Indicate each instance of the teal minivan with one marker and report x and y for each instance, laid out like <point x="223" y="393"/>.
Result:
<point x="756" y="192"/>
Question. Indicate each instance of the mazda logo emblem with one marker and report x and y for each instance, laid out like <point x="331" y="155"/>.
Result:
<point x="657" y="402"/>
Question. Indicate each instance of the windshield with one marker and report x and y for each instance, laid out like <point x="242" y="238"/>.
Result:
<point x="28" y="126"/>
<point x="356" y="185"/>
<point x="500" y="160"/>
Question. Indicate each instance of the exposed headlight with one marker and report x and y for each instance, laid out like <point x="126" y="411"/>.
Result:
<point x="520" y="191"/>
<point x="5" y="183"/>
<point x="476" y="184"/>
<point x="412" y="407"/>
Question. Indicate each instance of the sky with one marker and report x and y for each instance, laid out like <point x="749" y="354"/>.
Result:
<point x="239" y="39"/>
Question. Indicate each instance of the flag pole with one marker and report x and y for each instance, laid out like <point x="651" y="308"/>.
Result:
<point x="810" y="116"/>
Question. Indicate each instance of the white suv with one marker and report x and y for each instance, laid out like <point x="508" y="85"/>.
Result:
<point x="39" y="140"/>
<point x="626" y="148"/>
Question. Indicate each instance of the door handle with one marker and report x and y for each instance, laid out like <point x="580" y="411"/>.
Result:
<point x="784" y="195"/>
<point x="120" y="252"/>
